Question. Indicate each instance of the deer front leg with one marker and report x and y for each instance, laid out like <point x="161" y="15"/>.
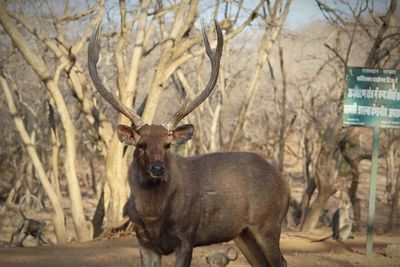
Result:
<point x="184" y="254"/>
<point x="149" y="258"/>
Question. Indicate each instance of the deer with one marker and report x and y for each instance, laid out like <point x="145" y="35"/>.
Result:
<point x="177" y="203"/>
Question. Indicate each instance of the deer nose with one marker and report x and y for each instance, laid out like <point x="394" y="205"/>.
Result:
<point x="157" y="169"/>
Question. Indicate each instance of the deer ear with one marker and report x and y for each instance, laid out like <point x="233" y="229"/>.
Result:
<point x="126" y="135"/>
<point x="182" y="134"/>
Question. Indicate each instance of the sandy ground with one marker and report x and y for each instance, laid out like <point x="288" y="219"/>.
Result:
<point x="297" y="248"/>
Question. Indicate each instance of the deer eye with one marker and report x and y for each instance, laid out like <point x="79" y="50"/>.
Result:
<point x="141" y="145"/>
<point x="167" y="145"/>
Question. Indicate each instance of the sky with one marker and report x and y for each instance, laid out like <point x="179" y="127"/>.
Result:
<point x="302" y="12"/>
<point x="305" y="11"/>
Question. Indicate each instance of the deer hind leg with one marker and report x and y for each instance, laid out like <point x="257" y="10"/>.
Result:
<point x="269" y="243"/>
<point x="250" y="249"/>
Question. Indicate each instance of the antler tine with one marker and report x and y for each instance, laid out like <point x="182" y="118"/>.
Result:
<point x="215" y="58"/>
<point x="206" y="42"/>
<point x="110" y="97"/>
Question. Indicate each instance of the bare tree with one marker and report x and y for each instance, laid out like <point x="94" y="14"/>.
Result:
<point x="42" y="70"/>
<point x="273" y="20"/>
<point x="58" y="218"/>
<point x="339" y="137"/>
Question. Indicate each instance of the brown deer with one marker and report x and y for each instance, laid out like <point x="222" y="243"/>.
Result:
<point x="178" y="203"/>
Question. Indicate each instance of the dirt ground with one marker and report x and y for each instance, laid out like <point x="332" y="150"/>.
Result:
<point x="297" y="248"/>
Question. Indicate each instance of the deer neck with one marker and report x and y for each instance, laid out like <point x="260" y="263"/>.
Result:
<point x="150" y="197"/>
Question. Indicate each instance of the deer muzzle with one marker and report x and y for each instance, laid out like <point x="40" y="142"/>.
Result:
<point x="156" y="169"/>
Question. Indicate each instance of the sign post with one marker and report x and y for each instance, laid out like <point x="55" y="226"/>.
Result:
<point x="372" y="99"/>
<point x="372" y="191"/>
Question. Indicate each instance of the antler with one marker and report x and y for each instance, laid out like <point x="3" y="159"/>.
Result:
<point x="215" y="58"/>
<point x="110" y="97"/>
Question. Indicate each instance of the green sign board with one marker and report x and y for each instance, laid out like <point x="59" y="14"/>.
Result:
<point x="372" y="98"/>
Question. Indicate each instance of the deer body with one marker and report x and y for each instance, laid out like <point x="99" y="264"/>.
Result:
<point x="206" y="199"/>
<point x="178" y="203"/>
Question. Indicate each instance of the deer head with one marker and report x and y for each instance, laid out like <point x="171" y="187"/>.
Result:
<point x="152" y="142"/>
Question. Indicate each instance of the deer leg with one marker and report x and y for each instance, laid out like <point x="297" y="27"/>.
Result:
<point x="149" y="258"/>
<point x="250" y="249"/>
<point x="184" y="254"/>
<point x="269" y="244"/>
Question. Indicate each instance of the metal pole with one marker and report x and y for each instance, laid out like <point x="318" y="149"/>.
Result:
<point x="372" y="191"/>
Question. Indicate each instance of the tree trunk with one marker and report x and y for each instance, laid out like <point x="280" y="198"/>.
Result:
<point x="355" y="201"/>
<point x="391" y="223"/>
<point x="353" y="194"/>
<point x="262" y="57"/>
<point x="314" y="212"/>
<point x="282" y="113"/>
<point x="310" y="187"/>
<point x="373" y="59"/>
<point x="98" y="217"/>
<point x="325" y="174"/>
<point x="55" y="181"/>
<point x="116" y="191"/>
<point x="14" y="190"/>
